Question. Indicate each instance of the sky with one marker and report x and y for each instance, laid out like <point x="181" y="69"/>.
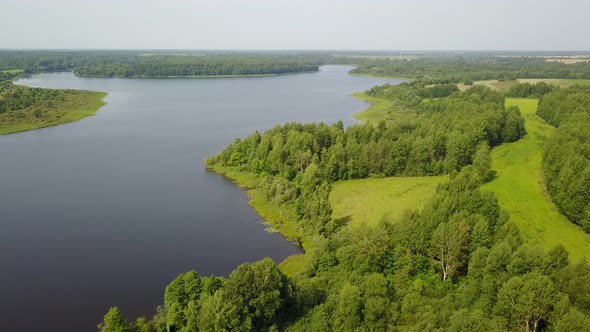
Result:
<point x="296" y="24"/>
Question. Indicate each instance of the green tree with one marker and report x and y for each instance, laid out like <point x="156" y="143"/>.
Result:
<point x="114" y="322"/>
<point x="449" y="242"/>
<point x="527" y="300"/>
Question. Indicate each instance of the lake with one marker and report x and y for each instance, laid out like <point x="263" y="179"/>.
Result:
<point x="108" y="210"/>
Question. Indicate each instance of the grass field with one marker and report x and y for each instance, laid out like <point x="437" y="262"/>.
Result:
<point x="13" y="71"/>
<point x="76" y="106"/>
<point x="521" y="191"/>
<point x="366" y="201"/>
<point x="379" y="109"/>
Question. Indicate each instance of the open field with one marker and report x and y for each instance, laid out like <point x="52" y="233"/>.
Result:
<point x="521" y="191"/>
<point x="567" y="61"/>
<point x="76" y="106"/>
<point x="13" y="71"/>
<point x="366" y="201"/>
<point x="379" y="109"/>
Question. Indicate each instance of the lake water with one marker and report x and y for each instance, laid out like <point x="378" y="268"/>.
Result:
<point x="108" y="210"/>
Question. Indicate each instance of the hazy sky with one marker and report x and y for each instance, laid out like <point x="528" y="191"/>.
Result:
<point x="297" y="24"/>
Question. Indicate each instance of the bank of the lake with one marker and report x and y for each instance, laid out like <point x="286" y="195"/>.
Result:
<point x="76" y="105"/>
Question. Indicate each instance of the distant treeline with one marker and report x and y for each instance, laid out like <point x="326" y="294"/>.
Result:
<point x="179" y="66"/>
<point x="566" y="156"/>
<point x="465" y="69"/>
<point x="162" y="64"/>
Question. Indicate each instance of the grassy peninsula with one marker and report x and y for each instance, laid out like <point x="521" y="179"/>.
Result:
<point x="23" y="108"/>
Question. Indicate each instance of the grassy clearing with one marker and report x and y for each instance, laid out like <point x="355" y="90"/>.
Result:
<point x="521" y="191"/>
<point x="380" y="109"/>
<point x="13" y="71"/>
<point x="366" y="201"/>
<point x="76" y="106"/>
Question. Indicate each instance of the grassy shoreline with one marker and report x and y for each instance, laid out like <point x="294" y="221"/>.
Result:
<point x="88" y="103"/>
<point x="278" y="219"/>
<point x="378" y="109"/>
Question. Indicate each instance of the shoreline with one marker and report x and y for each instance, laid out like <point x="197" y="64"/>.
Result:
<point x="93" y="101"/>
<point x="377" y="106"/>
<point x="276" y="219"/>
<point x="205" y="76"/>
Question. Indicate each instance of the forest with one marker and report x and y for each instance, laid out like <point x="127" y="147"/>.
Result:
<point x="185" y="66"/>
<point x="164" y="64"/>
<point x="459" y="264"/>
<point x="566" y="157"/>
<point x="468" y="69"/>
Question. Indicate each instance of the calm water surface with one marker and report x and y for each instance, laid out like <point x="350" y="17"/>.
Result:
<point x="108" y="210"/>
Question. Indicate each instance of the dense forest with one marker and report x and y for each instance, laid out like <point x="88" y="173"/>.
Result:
<point x="173" y="66"/>
<point x="164" y="64"/>
<point x="566" y="157"/>
<point x="458" y="265"/>
<point x="468" y="69"/>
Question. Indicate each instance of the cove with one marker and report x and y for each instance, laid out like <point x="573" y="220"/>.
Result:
<point x="106" y="211"/>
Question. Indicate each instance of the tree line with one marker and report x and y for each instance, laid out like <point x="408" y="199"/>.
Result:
<point x="566" y="156"/>
<point x="472" y="68"/>
<point x="195" y="66"/>
<point x="165" y="63"/>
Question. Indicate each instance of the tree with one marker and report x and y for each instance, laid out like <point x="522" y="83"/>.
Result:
<point x="114" y="321"/>
<point x="482" y="161"/>
<point x="573" y="320"/>
<point x="346" y="316"/>
<point x="141" y="325"/>
<point x="449" y="242"/>
<point x="527" y="300"/>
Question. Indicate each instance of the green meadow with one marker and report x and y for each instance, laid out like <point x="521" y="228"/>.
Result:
<point x="380" y="109"/>
<point x="13" y="71"/>
<point x="367" y="201"/>
<point x="521" y="191"/>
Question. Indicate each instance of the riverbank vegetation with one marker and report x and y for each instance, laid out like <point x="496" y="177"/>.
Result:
<point x="23" y="108"/>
